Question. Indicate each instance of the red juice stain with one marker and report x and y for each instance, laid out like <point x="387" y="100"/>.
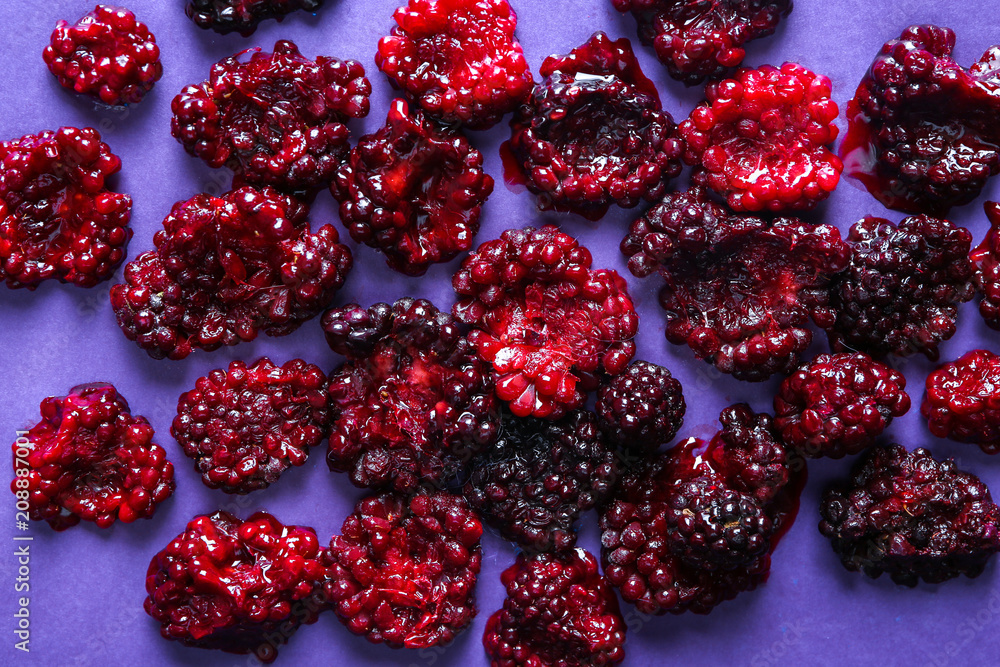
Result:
<point x="513" y="174"/>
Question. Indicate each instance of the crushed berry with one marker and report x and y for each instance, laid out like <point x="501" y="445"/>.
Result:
<point x="243" y="16"/>
<point x="559" y="610"/>
<point x="414" y="402"/>
<point x="838" y="404"/>
<point x="911" y="516"/>
<point x="236" y="586"/>
<point x="986" y="258"/>
<point x="547" y="321"/>
<point x="963" y="400"/>
<point x="413" y="190"/>
<point x="403" y="572"/>
<point x="642" y="408"/>
<point x="275" y="119"/>
<point x="58" y="219"/>
<point x="457" y="59"/>
<point x="90" y="459"/>
<point x="593" y="132"/>
<point x="739" y="290"/>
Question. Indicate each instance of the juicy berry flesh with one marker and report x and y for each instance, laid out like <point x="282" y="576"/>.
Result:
<point x="962" y="401"/>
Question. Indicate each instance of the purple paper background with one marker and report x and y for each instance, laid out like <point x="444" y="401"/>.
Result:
<point x="87" y="585"/>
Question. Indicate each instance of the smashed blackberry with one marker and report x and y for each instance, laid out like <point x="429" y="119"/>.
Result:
<point x="108" y="54"/>
<point x="89" y="459"/>
<point x="559" y="610"/>
<point x="761" y="140"/>
<point x="696" y="525"/>
<point x="901" y="291"/>
<point x="243" y="16"/>
<point x="225" y="268"/>
<point x="642" y="408"/>
<point x="547" y="321"/>
<point x="912" y="517"/>
<point x="699" y="39"/>
<point x="275" y="119"/>
<point x="922" y="133"/>
<point x="540" y="476"/>
<point x="403" y="572"/>
<point x="962" y="401"/>
<point x="413" y="190"/>
<point x="246" y="425"/>
<point x="457" y="59"/>
<point x="739" y="291"/>
<point x="837" y="404"/>
<point x="593" y="132"/>
<point x="58" y="219"/>
<point x="414" y="402"/>
<point x="236" y="586"/>
<point x="986" y="258"/>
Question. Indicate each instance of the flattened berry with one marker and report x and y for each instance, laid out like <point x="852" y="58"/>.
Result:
<point x="243" y="16"/>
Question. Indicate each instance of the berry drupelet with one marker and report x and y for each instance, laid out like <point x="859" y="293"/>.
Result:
<point x="547" y="321"/>
<point x="912" y="517"/>
<point x="58" y="219"/>
<point x="640" y="409"/>
<point x="236" y="586"/>
<point x="243" y="16"/>
<point x="90" y="459"/>
<point x="593" y="132"/>
<point x="838" y="404"/>
<point x="413" y="190"/>
<point x="414" y="402"/>
<point x="962" y="401"/>
<point x="559" y="610"/>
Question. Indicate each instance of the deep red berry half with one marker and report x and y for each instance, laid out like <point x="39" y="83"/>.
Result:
<point x="547" y="321"/>
<point x="107" y="54"/>
<point x="700" y="39"/>
<point x="457" y="59"/>
<point x="58" y="219"/>
<point x="837" y="404"/>
<point x="225" y="268"/>
<point x="559" y="610"/>
<point x="246" y="425"/>
<point x="413" y="190"/>
<point x="403" y="570"/>
<point x="642" y="408"/>
<point x="90" y="459"/>
<point x="986" y="258"/>
<point x="901" y="291"/>
<point x="540" y="477"/>
<point x="236" y="586"/>
<point x="243" y="16"/>
<point x="739" y="291"/>
<point x="593" y="132"/>
<point x="276" y="119"/>
<point x="414" y="402"/>
<point x="911" y="516"/>
<point x="761" y="140"/>
<point x="922" y="134"/>
<point x="962" y="401"/>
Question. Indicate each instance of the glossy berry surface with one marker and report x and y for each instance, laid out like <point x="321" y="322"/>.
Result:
<point x="89" y="459"/>
<point x="593" y="132"/>
<point x="912" y="517"/>
<point x="457" y="59"/>
<point x="243" y="16"/>
<point x="413" y="190"/>
<point x="108" y="54"/>
<point x="739" y="291"/>
<point x="403" y="570"/>
<point x="642" y="408"/>
<point x="58" y="218"/>
<point x="539" y="478"/>
<point x="962" y="401"/>
<point x="275" y="119"/>
<point x="247" y="424"/>
<point x="761" y="140"/>
<point x="224" y="269"/>
<point x="414" y="402"/>
<point x="547" y="321"/>
<point x="236" y="586"/>
<point x="901" y="292"/>
<point x="838" y="404"/>
<point x="559" y="610"/>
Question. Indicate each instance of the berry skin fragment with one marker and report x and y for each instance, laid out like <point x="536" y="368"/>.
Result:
<point x="90" y="459"/>
<point x="912" y="517"/>
<point x="547" y="321"/>
<point x="641" y="409"/>
<point x="413" y="190"/>
<point x="962" y="401"/>
<point x="243" y="16"/>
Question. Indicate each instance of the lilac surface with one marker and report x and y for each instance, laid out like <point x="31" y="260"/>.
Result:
<point x="87" y="585"/>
